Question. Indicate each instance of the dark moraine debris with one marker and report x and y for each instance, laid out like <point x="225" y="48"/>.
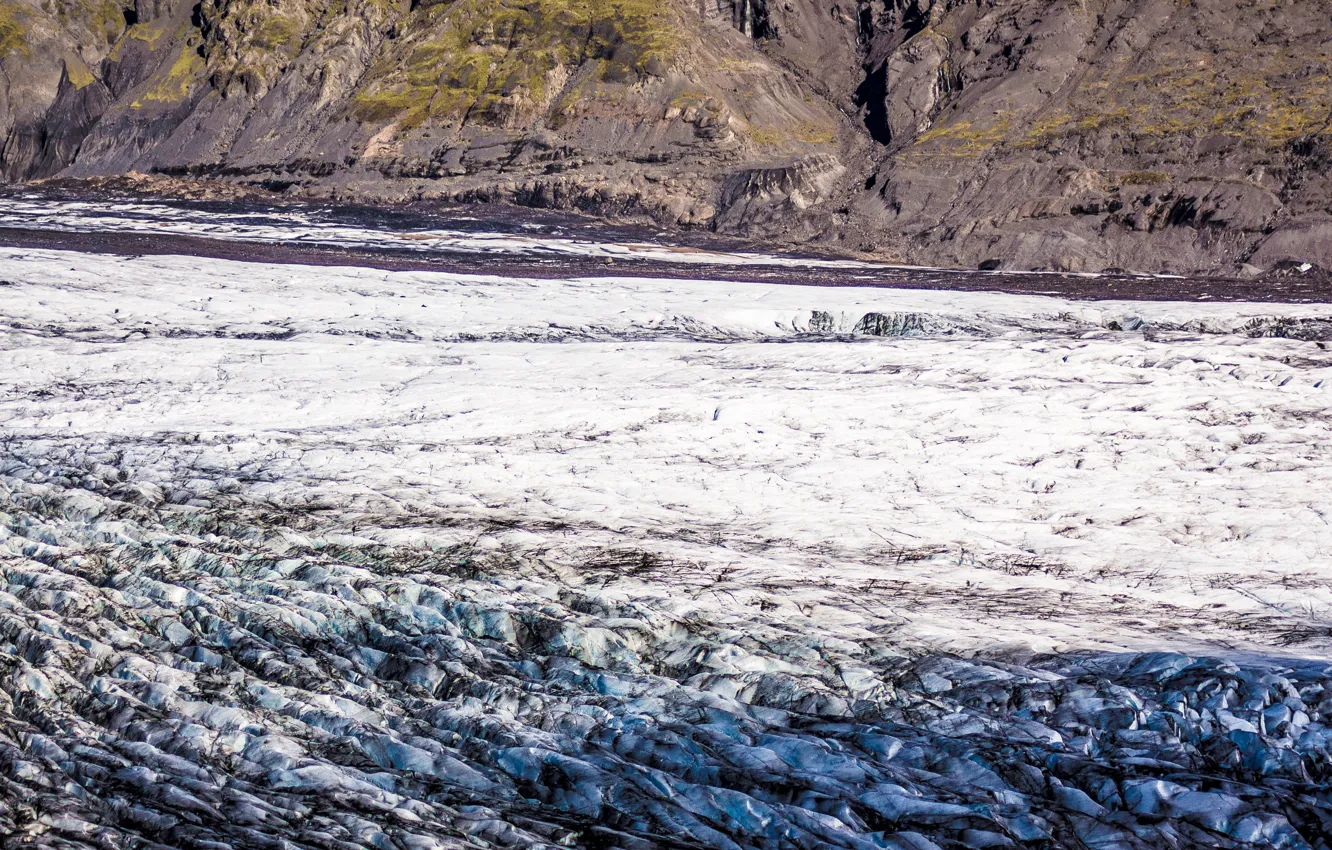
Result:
<point x="1118" y="286"/>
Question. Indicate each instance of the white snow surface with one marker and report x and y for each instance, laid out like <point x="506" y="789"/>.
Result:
<point x="1005" y="471"/>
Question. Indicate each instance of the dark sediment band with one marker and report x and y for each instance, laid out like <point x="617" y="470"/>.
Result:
<point x="1293" y="288"/>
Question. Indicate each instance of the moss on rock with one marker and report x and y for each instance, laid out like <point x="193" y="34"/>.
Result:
<point x="1265" y="97"/>
<point x="485" y="58"/>
<point x="13" y="33"/>
<point x="173" y="85"/>
<point x="77" y="70"/>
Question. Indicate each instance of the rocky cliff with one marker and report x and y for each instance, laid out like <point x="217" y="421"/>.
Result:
<point x="1148" y="134"/>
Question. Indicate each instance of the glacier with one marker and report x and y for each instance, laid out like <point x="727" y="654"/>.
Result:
<point x="314" y="557"/>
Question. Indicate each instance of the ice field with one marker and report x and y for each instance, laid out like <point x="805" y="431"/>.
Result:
<point x="337" y="557"/>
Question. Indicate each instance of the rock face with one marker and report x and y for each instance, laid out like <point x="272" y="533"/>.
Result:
<point x="1079" y="136"/>
<point x="1044" y="133"/>
<point x="617" y="107"/>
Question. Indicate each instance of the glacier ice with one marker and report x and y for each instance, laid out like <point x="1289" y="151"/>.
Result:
<point x="287" y="560"/>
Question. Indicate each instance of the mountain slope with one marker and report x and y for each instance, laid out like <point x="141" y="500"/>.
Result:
<point x="1144" y="133"/>
<point x="1033" y="133"/>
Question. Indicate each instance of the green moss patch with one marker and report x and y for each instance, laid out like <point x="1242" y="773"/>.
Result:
<point x="473" y="56"/>
<point x="77" y="71"/>
<point x="1265" y="97"/>
<point x="278" y="31"/>
<point x="960" y="139"/>
<point x="13" y="34"/>
<point x="174" y="85"/>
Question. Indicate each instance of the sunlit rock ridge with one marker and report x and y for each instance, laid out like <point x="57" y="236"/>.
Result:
<point x="341" y="558"/>
<point x="1142" y="134"/>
